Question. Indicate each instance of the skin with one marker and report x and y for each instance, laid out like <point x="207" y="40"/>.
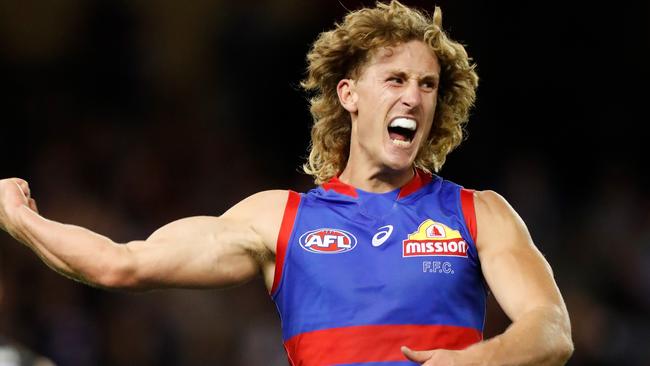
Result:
<point x="207" y="252"/>
<point x="399" y="81"/>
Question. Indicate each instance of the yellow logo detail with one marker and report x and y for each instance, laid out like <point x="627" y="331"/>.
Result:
<point x="430" y="229"/>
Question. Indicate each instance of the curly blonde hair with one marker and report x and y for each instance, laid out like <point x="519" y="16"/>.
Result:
<point x="342" y="52"/>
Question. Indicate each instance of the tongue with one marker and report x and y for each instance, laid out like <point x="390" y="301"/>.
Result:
<point x="397" y="136"/>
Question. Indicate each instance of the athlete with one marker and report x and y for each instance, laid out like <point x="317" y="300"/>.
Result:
<point x="384" y="262"/>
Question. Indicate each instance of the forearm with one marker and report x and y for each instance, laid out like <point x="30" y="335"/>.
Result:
<point x="200" y="251"/>
<point x="540" y="337"/>
<point x="73" y="251"/>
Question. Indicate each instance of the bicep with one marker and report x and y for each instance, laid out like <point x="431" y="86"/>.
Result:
<point x="517" y="273"/>
<point x="195" y="252"/>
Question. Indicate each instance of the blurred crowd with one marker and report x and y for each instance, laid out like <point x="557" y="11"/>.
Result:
<point x="124" y="116"/>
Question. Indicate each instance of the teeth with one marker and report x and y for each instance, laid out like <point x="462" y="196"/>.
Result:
<point x="407" y="123"/>
<point x="401" y="143"/>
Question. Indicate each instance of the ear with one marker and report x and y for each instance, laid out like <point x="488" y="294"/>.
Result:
<point x="347" y="95"/>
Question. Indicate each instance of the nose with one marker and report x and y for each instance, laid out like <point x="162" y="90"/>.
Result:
<point x="411" y="97"/>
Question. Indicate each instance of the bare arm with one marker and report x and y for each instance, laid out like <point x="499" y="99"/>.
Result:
<point x="523" y="284"/>
<point x="192" y="252"/>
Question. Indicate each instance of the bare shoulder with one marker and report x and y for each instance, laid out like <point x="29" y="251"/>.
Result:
<point x="263" y="211"/>
<point x="261" y="204"/>
<point x="491" y="207"/>
<point x="497" y="221"/>
<point x="491" y="203"/>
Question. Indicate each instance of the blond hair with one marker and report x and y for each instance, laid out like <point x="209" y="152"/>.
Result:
<point x="342" y="52"/>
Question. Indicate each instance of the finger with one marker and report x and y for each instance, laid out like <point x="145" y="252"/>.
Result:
<point x="18" y="181"/>
<point x="416" y="356"/>
<point x="31" y="203"/>
<point x="24" y="186"/>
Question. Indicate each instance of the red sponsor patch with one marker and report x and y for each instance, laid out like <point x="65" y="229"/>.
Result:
<point x="434" y="239"/>
<point x="449" y="247"/>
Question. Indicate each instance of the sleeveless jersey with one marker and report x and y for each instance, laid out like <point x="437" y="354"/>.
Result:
<point x="360" y="274"/>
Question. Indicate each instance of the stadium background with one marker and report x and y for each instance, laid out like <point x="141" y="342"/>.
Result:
<point x="127" y="115"/>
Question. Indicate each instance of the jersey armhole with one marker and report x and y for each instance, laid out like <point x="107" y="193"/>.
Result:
<point x="289" y="217"/>
<point x="467" y="205"/>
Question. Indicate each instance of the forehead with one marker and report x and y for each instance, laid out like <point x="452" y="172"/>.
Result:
<point x="414" y="57"/>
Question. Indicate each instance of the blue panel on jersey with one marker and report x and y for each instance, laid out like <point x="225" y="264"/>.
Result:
<point x="418" y="275"/>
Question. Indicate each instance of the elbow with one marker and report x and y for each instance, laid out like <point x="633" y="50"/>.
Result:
<point x="563" y="347"/>
<point x="566" y="350"/>
<point x="119" y="274"/>
<point x="563" y="350"/>
<point x="117" y="279"/>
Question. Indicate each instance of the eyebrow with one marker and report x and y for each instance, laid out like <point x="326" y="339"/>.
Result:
<point x="404" y="74"/>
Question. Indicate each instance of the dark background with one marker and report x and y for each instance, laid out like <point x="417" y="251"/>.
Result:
<point x="124" y="116"/>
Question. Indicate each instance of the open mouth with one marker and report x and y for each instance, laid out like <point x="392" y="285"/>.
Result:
<point x="402" y="130"/>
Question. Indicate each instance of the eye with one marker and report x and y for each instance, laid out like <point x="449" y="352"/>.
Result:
<point x="429" y="85"/>
<point x="395" y="80"/>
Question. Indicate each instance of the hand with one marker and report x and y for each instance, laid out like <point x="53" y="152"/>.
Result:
<point x="14" y="193"/>
<point x="437" y="357"/>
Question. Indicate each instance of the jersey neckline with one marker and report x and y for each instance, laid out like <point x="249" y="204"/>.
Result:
<point x="419" y="180"/>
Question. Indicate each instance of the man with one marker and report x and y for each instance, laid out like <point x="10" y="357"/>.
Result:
<point x="383" y="257"/>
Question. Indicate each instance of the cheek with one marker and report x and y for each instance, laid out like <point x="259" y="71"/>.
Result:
<point x="434" y="102"/>
<point x="431" y="115"/>
<point x="432" y="108"/>
<point x="389" y="97"/>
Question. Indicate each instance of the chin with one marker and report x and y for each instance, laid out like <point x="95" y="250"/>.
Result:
<point x="399" y="164"/>
<point x="399" y="159"/>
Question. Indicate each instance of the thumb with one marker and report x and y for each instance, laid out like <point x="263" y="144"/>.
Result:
<point x="416" y="356"/>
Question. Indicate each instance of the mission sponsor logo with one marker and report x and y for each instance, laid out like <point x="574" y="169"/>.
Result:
<point x="434" y="239"/>
<point x="327" y="241"/>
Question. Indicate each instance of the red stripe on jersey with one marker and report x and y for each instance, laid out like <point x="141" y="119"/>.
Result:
<point x="467" y="203"/>
<point x="283" y="236"/>
<point x="420" y="179"/>
<point x="337" y="186"/>
<point x="374" y="343"/>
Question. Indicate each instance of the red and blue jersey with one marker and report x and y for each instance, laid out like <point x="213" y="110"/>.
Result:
<point x="360" y="274"/>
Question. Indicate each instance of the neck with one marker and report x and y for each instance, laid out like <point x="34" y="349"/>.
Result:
<point x="376" y="181"/>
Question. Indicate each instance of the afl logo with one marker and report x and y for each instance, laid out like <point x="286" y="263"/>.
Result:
<point x="327" y="241"/>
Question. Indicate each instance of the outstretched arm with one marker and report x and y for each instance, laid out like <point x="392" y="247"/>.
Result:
<point x="523" y="284"/>
<point x="192" y="252"/>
